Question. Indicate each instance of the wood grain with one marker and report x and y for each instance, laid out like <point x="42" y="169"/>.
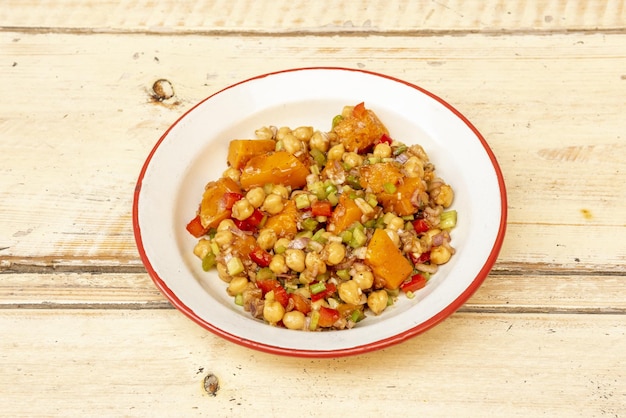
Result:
<point x="153" y="362"/>
<point x="301" y="16"/>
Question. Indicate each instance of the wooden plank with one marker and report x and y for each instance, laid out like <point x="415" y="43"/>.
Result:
<point x="523" y="92"/>
<point x="388" y="16"/>
<point x="74" y="363"/>
<point x="527" y="292"/>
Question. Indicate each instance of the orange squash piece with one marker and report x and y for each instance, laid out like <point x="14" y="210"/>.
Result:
<point x="240" y="151"/>
<point x="284" y="223"/>
<point x="360" y="130"/>
<point x="212" y="207"/>
<point x="278" y="167"/>
<point x="373" y="177"/>
<point x="386" y="260"/>
<point x="345" y="214"/>
<point x="400" y="201"/>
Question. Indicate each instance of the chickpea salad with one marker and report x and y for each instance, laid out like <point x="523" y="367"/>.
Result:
<point x="316" y="230"/>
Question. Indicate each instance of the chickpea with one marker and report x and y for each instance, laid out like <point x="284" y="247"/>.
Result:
<point x="440" y="255"/>
<point x="237" y="285"/>
<point x="292" y="144"/>
<point x="202" y="248"/>
<point x="314" y="263"/>
<point x="282" y="131"/>
<point x="295" y="259"/>
<point x="222" y="272"/>
<point x="336" y="152"/>
<point x="256" y="196"/>
<point x="281" y="243"/>
<point x="394" y="236"/>
<point x="303" y="133"/>
<point x="278" y="265"/>
<point x="377" y="301"/>
<point x="352" y="159"/>
<point x="266" y="239"/>
<point x="319" y="141"/>
<point x="223" y="237"/>
<point x="242" y="209"/>
<point x="350" y="292"/>
<point x="382" y="150"/>
<point x="364" y="279"/>
<point x="445" y="196"/>
<point x="272" y="204"/>
<point x="273" y="311"/>
<point x="264" y="133"/>
<point x="232" y="173"/>
<point x="226" y="225"/>
<point x="414" y="167"/>
<point x="294" y="320"/>
<point x="395" y="224"/>
<point x="335" y="253"/>
<point x="281" y="191"/>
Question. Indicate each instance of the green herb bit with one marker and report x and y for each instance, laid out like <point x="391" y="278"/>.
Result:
<point x="447" y="219"/>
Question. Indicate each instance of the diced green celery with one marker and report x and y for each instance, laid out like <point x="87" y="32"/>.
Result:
<point x="215" y="248"/>
<point x="315" y="246"/>
<point x="353" y="182"/>
<point x="410" y="294"/>
<point x="389" y="187"/>
<point x="318" y="157"/>
<point x="333" y="199"/>
<point x="371" y="200"/>
<point x="356" y="316"/>
<point x="318" y="189"/>
<point x="371" y="223"/>
<point x="208" y="262"/>
<point x="318" y="287"/>
<point x="408" y="217"/>
<point x="265" y="274"/>
<point x="346" y="236"/>
<point x="309" y="224"/>
<point x="447" y="219"/>
<point x="399" y="149"/>
<point x="315" y="318"/>
<point x="336" y="120"/>
<point x="239" y="299"/>
<point x="358" y="238"/>
<point x="304" y="234"/>
<point x="280" y="249"/>
<point x="302" y="201"/>
<point x="343" y="274"/>
<point x="234" y="266"/>
<point x="319" y="236"/>
<point x="373" y="160"/>
<point x="330" y="188"/>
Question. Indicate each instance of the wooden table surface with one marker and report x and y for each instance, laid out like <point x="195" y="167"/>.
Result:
<point x="83" y="330"/>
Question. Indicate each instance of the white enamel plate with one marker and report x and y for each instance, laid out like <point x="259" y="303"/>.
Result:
<point x="193" y="152"/>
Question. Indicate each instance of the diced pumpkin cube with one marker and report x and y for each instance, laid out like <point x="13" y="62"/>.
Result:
<point x="375" y="177"/>
<point x="386" y="260"/>
<point x="212" y="208"/>
<point x="345" y="214"/>
<point x="240" y="151"/>
<point x="284" y="223"/>
<point x="278" y="167"/>
<point x="399" y="202"/>
<point x="361" y="130"/>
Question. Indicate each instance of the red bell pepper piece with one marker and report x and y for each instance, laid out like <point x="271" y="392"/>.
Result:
<point x="195" y="228"/>
<point x="385" y="139"/>
<point x="328" y="317"/>
<point x="261" y="257"/>
<point x="280" y="294"/>
<point x="417" y="282"/>
<point x="230" y="198"/>
<point x="420" y="226"/>
<point x="420" y="259"/>
<point x="330" y="289"/>
<point x="321" y="208"/>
